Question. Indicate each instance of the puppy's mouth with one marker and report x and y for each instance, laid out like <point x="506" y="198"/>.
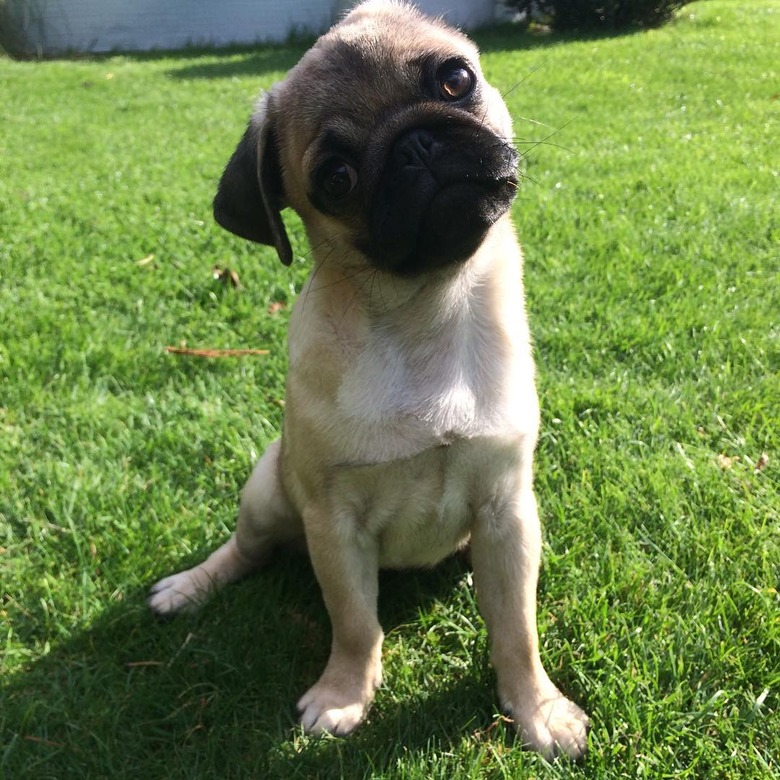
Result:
<point x="439" y="192"/>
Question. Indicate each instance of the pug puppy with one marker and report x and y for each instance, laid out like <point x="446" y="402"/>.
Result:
<point x="411" y="413"/>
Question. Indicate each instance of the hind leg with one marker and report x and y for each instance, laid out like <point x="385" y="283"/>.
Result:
<point x="266" y="519"/>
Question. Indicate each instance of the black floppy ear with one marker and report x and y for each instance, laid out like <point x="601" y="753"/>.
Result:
<point x="250" y="193"/>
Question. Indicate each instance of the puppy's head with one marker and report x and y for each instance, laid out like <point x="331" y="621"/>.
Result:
<point x="385" y="138"/>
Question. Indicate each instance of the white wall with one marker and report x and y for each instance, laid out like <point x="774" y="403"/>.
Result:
<point x="55" y="26"/>
<point x="461" y="13"/>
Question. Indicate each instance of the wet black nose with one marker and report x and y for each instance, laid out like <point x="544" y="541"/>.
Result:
<point x="416" y="147"/>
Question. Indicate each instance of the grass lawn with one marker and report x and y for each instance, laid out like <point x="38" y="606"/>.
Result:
<point x="651" y="221"/>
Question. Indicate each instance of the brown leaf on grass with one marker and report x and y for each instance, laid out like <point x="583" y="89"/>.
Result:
<point x="226" y="276"/>
<point x="726" y="462"/>
<point x="214" y="353"/>
<point x="763" y="459"/>
<point x="485" y="733"/>
<point x="42" y="741"/>
<point x="276" y="306"/>
<point x="138" y="664"/>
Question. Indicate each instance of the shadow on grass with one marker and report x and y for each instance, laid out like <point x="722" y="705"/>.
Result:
<point x="507" y="37"/>
<point x="133" y="696"/>
<point x="243" y="62"/>
<point x="256" y="61"/>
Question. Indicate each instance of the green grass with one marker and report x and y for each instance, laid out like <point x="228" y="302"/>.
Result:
<point x="651" y="227"/>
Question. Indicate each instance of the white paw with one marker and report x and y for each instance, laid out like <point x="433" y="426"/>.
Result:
<point x="188" y="589"/>
<point x="180" y="592"/>
<point x="322" y="714"/>
<point x="336" y="709"/>
<point x="552" y="725"/>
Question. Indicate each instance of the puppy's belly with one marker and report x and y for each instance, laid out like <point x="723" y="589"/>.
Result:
<point x="420" y="509"/>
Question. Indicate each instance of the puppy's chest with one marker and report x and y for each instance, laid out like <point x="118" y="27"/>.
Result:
<point x="461" y="384"/>
<point x="420" y="509"/>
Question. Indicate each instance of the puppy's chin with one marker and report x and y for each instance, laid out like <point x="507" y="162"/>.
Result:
<point x="438" y="195"/>
<point x="448" y="233"/>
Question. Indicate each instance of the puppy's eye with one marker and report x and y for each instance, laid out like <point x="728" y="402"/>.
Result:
<point x="336" y="178"/>
<point x="455" y="81"/>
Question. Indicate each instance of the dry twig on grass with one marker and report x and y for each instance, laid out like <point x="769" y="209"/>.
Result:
<point x="214" y="353"/>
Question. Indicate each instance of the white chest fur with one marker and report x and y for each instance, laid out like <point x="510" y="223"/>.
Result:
<point x="447" y="379"/>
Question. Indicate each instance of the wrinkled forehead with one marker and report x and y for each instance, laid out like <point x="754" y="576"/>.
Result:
<point x="365" y="64"/>
<point x="376" y="34"/>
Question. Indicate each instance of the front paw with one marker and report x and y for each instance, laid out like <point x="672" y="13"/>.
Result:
<point x="326" y="711"/>
<point x="550" y="724"/>
<point x="337" y="704"/>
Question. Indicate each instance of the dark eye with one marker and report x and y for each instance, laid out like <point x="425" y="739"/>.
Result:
<point x="336" y="178"/>
<point x="455" y="81"/>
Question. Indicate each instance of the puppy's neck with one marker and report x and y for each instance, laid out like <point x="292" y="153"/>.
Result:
<point x="384" y="298"/>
